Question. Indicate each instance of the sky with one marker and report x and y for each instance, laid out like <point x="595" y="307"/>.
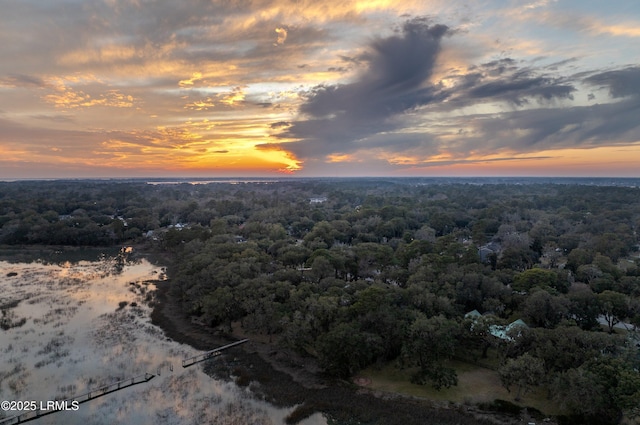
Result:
<point x="198" y="88"/>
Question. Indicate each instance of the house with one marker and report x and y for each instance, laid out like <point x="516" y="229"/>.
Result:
<point x="485" y="252"/>
<point x="318" y="200"/>
<point x="500" y="331"/>
<point x="473" y="314"/>
<point x="504" y="332"/>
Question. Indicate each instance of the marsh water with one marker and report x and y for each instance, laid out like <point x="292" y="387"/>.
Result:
<point x="69" y="327"/>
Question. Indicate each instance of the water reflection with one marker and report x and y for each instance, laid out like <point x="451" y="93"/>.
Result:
<point x="73" y="326"/>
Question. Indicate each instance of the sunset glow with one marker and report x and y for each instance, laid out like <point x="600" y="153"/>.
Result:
<point x="120" y="88"/>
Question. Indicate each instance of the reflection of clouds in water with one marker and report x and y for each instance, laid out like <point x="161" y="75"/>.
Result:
<point x="191" y="402"/>
<point x="78" y="337"/>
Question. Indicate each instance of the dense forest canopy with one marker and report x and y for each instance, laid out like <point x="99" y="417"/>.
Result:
<point x="410" y="271"/>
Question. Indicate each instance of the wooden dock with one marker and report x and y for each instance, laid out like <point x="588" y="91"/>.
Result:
<point x="210" y="354"/>
<point x="82" y="398"/>
<point x="107" y="389"/>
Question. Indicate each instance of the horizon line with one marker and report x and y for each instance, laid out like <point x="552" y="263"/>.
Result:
<point x="284" y="178"/>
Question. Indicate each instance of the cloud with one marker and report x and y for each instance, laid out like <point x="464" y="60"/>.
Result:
<point x="537" y="4"/>
<point x="188" y="82"/>
<point x="84" y="91"/>
<point x="394" y="81"/>
<point x="68" y="98"/>
<point x="440" y="163"/>
<point x="549" y="128"/>
<point x="282" y="35"/>
<point x="234" y="97"/>
<point x="510" y="82"/>
<point x="518" y="88"/>
<point x="55" y="118"/>
<point x="393" y="91"/>
<point x="545" y="128"/>
<point x="331" y="83"/>
<point x="594" y="26"/>
<point x="392" y="110"/>
<point x="280" y="124"/>
<point x="22" y="80"/>
<point x="621" y="83"/>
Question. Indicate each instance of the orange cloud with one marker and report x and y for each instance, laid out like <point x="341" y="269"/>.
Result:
<point x="196" y="76"/>
<point x="341" y="158"/>
<point x="282" y="35"/>
<point x="201" y="105"/>
<point x="604" y="161"/>
<point x="236" y="96"/>
<point x="66" y="96"/>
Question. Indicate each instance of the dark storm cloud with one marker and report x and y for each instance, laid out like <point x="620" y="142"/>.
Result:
<point x="397" y="69"/>
<point x="621" y="83"/>
<point x="601" y="124"/>
<point x="498" y="67"/>
<point x="553" y="128"/>
<point x="517" y="89"/>
<point x="612" y="122"/>
<point x="371" y="112"/>
<point x="280" y="124"/>
<point x="375" y="111"/>
<point x="507" y="81"/>
<point x="557" y="65"/>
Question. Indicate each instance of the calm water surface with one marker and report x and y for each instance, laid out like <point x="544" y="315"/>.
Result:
<point x="68" y="328"/>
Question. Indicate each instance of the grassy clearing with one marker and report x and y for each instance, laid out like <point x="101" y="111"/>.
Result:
<point x="476" y="384"/>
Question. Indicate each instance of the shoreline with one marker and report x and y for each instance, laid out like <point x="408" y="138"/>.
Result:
<point x="286" y="379"/>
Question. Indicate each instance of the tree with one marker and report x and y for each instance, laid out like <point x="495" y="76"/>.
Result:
<point x="551" y="254"/>
<point x="584" y="308"/>
<point x="439" y="376"/>
<point x="221" y="307"/>
<point x="321" y="268"/>
<point x="578" y="257"/>
<point x="293" y="255"/>
<point x="344" y="350"/>
<point x="322" y="235"/>
<point x="296" y="332"/>
<point x="431" y="341"/>
<point x="567" y="347"/>
<point x="588" y="273"/>
<point x="600" y="391"/>
<point x="541" y="278"/>
<point x="543" y="309"/>
<point x="372" y="258"/>
<point x="613" y="244"/>
<point x="614" y="308"/>
<point x="517" y="258"/>
<point x="523" y="372"/>
<point x="468" y="292"/>
<point x="476" y="333"/>
<point x="579" y="391"/>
